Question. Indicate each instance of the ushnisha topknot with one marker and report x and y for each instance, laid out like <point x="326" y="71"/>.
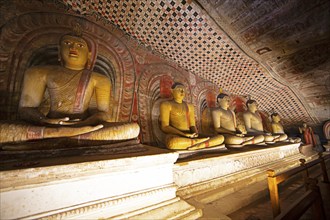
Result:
<point x="176" y="84"/>
<point x="221" y="94"/>
<point x="273" y="114"/>
<point x="76" y="32"/>
<point x="250" y="101"/>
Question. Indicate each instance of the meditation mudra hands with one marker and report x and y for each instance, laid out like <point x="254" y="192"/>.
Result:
<point x="60" y="121"/>
<point x="68" y="127"/>
<point x="177" y="120"/>
<point x="189" y="135"/>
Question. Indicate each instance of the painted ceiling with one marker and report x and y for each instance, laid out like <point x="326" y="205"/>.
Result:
<point x="275" y="51"/>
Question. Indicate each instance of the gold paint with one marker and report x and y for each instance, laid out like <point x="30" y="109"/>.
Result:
<point x="177" y="119"/>
<point x="62" y="83"/>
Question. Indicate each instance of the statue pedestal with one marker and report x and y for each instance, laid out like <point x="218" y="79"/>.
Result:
<point x="307" y="150"/>
<point x="134" y="185"/>
<point x="143" y="183"/>
<point x="327" y="146"/>
<point x="197" y="177"/>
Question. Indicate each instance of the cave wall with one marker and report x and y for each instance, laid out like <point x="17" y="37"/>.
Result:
<point x="140" y="77"/>
<point x="144" y="46"/>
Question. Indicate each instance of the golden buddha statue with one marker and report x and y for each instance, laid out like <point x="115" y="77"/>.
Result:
<point x="253" y="123"/>
<point x="277" y="129"/>
<point x="224" y="121"/>
<point x="177" y="120"/>
<point x="70" y="86"/>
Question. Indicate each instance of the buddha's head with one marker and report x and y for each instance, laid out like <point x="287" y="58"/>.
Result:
<point x="74" y="52"/>
<point x="178" y="91"/>
<point x="275" y="117"/>
<point x="252" y="105"/>
<point x="223" y="100"/>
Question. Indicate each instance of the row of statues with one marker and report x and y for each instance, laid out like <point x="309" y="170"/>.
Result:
<point x="178" y="122"/>
<point x="72" y="85"/>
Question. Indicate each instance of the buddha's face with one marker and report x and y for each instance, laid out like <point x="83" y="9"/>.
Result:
<point x="224" y="102"/>
<point x="74" y="52"/>
<point x="253" y="106"/>
<point x="276" y="118"/>
<point x="178" y="93"/>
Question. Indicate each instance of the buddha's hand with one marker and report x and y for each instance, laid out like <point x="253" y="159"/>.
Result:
<point x="240" y="129"/>
<point x="71" y="122"/>
<point x="66" y="131"/>
<point x="61" y="121"/>
<point x="55" y="121"/>
<point x="191" y="135"/>
<point x="240" y="135"/>
<point x="268" y="134"/>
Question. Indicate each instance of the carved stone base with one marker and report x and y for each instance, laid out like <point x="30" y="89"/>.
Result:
<point x="92" y="186"/>
<point x="141" y="205"/>
<point x="202" y="174"/>
<point x="307" y="150"/>
<point x="327" y="146"/>
<point x="191" y="153"/>
<point x="172" y="209"/>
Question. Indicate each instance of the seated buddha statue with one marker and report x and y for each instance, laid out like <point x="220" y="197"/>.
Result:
<point x="277" y="127"/>
<point x="224" y="121"/>
<point x="70" y="87"/>
<point x="177" y="121"/>
<point x="253" y="123"/>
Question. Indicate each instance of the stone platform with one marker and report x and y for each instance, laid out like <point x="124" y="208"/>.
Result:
<point x="143" y="183"/>
<point x="232" y="180"/>
<point x="201" y="174"/>
<point x="93" y="187"/>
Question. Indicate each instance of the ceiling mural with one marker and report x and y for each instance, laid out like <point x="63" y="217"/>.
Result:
<point x="247" y="47"/>
<point x="238" y="45"/>
<point x="290" y="38"/>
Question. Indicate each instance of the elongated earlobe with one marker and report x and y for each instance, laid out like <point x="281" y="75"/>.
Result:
<point x="59" y="58"/>
<point x="88" y="65"/>
<point x="89" y="62"/>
